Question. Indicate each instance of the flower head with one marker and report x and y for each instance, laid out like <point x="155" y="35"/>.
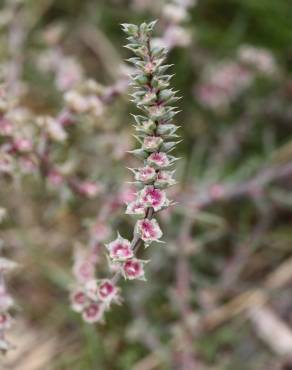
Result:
<point x="101" y="231"/>
<point x="136" y="208"/>
<point x="120" y="249"/>
<point x="83" y="270"/>
<point x="107" y="291"/>
<point x="152" y="197"/>
<point x="145" y="174"/>
<point x="78" y="300"/>
<point x="93" y="312"/>
<point x="149" y="230"/>
<point x="133" y="269"/>
<point x="152" y="143"/>
<point x="158" y="160"/>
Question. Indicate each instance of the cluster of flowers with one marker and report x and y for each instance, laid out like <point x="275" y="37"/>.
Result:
<point x="29" y="144"/>
<point x="157" y="135"/>
<point x="81" y="95"/>
<point x="89" y="296"/>
<point x="173" y="14"/>
<point x="26" y="146"/>
<point x="223" y="83"/>
<point x="6" y="301"/>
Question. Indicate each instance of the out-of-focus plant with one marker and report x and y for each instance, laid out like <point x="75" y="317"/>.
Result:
<point x="222" y="83"/>
<point x="174" y="16"/>
<point x="6" y="301"/>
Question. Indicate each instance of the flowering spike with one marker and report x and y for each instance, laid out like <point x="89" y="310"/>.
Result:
<point x="151" y="95"/>
<point x="156" y="135"/>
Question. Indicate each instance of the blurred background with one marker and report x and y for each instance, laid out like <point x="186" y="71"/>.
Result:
<point x="218" y="293"/>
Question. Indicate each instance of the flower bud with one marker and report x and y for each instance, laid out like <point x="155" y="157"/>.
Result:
<point x="166" y="129"/>
<point x="147" y="127"/>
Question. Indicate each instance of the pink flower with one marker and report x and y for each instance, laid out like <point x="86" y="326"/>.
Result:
<point x="259" y="58"/>
<point x="88" y="189"/>
<point x="23" y="145"/>
<point x="222" y="84"/>
<point x="136" y="208"/>
<point x="158" y="160"/>
<point x="78" y="300"/>
<point x="55" y="177"/>
<point x="6" y="127"/>
<point x="93" y="312"/>
<point x="83" y="270"/>
<point x="120" y="249"/>
<point x="101" y="231"/>
<point x="211" y="96"/>
<point x="152" y="143"/>
<point x="107" y="291"/>
<point x="152" y="197"/>
<point x="5" y="321"/>
<point x="149" y="230"/>
<point x="146" y="174"/>
<point x="127" y="194"/>
<point x="133" y="269"/>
